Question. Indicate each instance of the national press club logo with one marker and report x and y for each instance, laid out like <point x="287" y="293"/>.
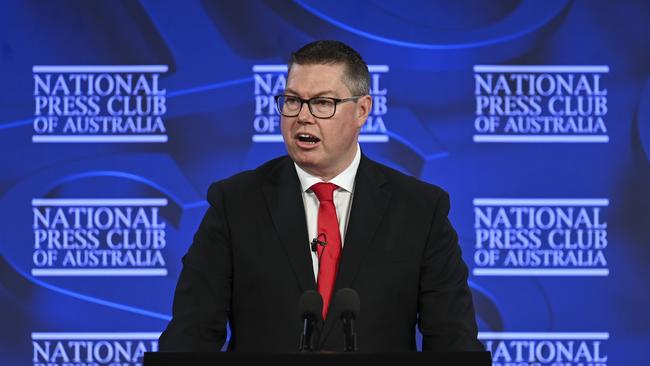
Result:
<point x="540" y="104"/>
<point x="98" y="237"/>
<point x="540" y="237"/>
<point x="92" y="349"/>
<point x="271" y="80"/>
<point x="546" y="348"/>
<point x="99" y="104"/>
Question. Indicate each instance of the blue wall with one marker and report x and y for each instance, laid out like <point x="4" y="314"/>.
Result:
<point x="116" y="116"/>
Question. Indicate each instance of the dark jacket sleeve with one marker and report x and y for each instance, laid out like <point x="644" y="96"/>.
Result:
<point x="446" y="311"/>
<point x="202" y="296"/>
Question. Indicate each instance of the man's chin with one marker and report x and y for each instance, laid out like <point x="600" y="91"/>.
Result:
<point x="307" y="164"/>
<point x="307" y="161"/>
<point x="304" y="156"/>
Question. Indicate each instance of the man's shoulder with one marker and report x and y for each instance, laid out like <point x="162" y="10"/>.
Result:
<point x="253" y="178"/>
<point x="405" y="183"/>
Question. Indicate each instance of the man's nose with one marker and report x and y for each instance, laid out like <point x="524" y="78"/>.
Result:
<point x="305" y="116"/>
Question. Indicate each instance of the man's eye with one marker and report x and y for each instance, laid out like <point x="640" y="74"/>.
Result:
<point x="322" y="102"/>
<point x="291" y="100"/>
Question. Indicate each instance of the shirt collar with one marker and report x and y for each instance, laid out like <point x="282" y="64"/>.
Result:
<point x="344" y="180"/>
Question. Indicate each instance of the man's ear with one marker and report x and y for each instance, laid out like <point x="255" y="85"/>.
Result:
<point x="364" y="106"/>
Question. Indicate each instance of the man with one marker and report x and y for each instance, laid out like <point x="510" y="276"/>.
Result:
<point x="375" y="230"/>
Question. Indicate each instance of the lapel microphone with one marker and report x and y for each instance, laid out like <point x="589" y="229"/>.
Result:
<point x="316" y="241"/>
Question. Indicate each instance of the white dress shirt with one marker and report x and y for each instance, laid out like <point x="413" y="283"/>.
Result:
<point x="342" y="201"/>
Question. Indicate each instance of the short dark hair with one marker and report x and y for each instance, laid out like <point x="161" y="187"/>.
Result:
<point x="356" y="76"/>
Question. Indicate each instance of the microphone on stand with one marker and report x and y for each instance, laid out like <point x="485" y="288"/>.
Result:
<point x="310" y="308"/>
<point x="347" y="304"/>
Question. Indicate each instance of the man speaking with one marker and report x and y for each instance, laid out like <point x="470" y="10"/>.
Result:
<point x="323" y="218"/>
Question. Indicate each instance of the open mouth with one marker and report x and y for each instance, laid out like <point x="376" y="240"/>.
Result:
<point x="307" y="138"/>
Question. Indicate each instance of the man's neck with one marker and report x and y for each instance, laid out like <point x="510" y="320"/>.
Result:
<point x="344" y="179"/>
<point x="327" y="176"/>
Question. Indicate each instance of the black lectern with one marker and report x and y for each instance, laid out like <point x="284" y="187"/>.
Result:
<point x="317" y="359"/>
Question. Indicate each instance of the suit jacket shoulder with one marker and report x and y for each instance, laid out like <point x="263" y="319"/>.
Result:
<point x="248" y="180"/>
<point x="407" y="187"/>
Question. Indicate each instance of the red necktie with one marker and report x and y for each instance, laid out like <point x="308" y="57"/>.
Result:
<point x="328" y="232"/>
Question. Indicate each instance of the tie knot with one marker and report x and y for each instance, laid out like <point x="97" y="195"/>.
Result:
<point x="324" y="191"/>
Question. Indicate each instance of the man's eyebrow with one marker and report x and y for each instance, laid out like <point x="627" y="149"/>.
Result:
<point x="319" y="94"/>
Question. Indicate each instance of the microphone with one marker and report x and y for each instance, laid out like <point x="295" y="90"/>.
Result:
<point x="316" y="241"/>
<point x="310" y="308"/>
<point x="347" y="306"/>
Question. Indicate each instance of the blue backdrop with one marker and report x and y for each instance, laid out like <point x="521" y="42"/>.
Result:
<point x="117" y="115"/>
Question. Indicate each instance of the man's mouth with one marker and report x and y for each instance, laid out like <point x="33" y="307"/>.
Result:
<point x="307" y="138"/>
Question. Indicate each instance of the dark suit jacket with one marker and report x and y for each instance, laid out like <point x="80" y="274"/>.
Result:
<point x="250" y="262"/>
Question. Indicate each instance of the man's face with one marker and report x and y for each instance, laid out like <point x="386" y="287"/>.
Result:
<point x="335" y="138"/>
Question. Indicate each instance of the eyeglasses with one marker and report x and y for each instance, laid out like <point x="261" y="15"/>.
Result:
<point x="320" y="107"/>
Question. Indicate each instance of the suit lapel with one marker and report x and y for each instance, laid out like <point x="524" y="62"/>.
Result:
<point x="284" y="200"/>
<point x="369" y="205"/>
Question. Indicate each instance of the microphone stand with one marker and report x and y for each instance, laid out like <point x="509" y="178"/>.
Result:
<point x="350" y="339"/>
<point x="306" y="339"/>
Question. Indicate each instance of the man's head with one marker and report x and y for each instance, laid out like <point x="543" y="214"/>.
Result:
<point x="324" y="146"/>
<point x="356" y="76"/>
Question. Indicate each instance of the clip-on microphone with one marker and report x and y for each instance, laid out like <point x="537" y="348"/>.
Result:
<point x="316" y="241"/>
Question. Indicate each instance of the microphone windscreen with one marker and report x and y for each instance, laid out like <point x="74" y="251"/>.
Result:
<point x="310" y="305"/>
<point x="345" y="301"/>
